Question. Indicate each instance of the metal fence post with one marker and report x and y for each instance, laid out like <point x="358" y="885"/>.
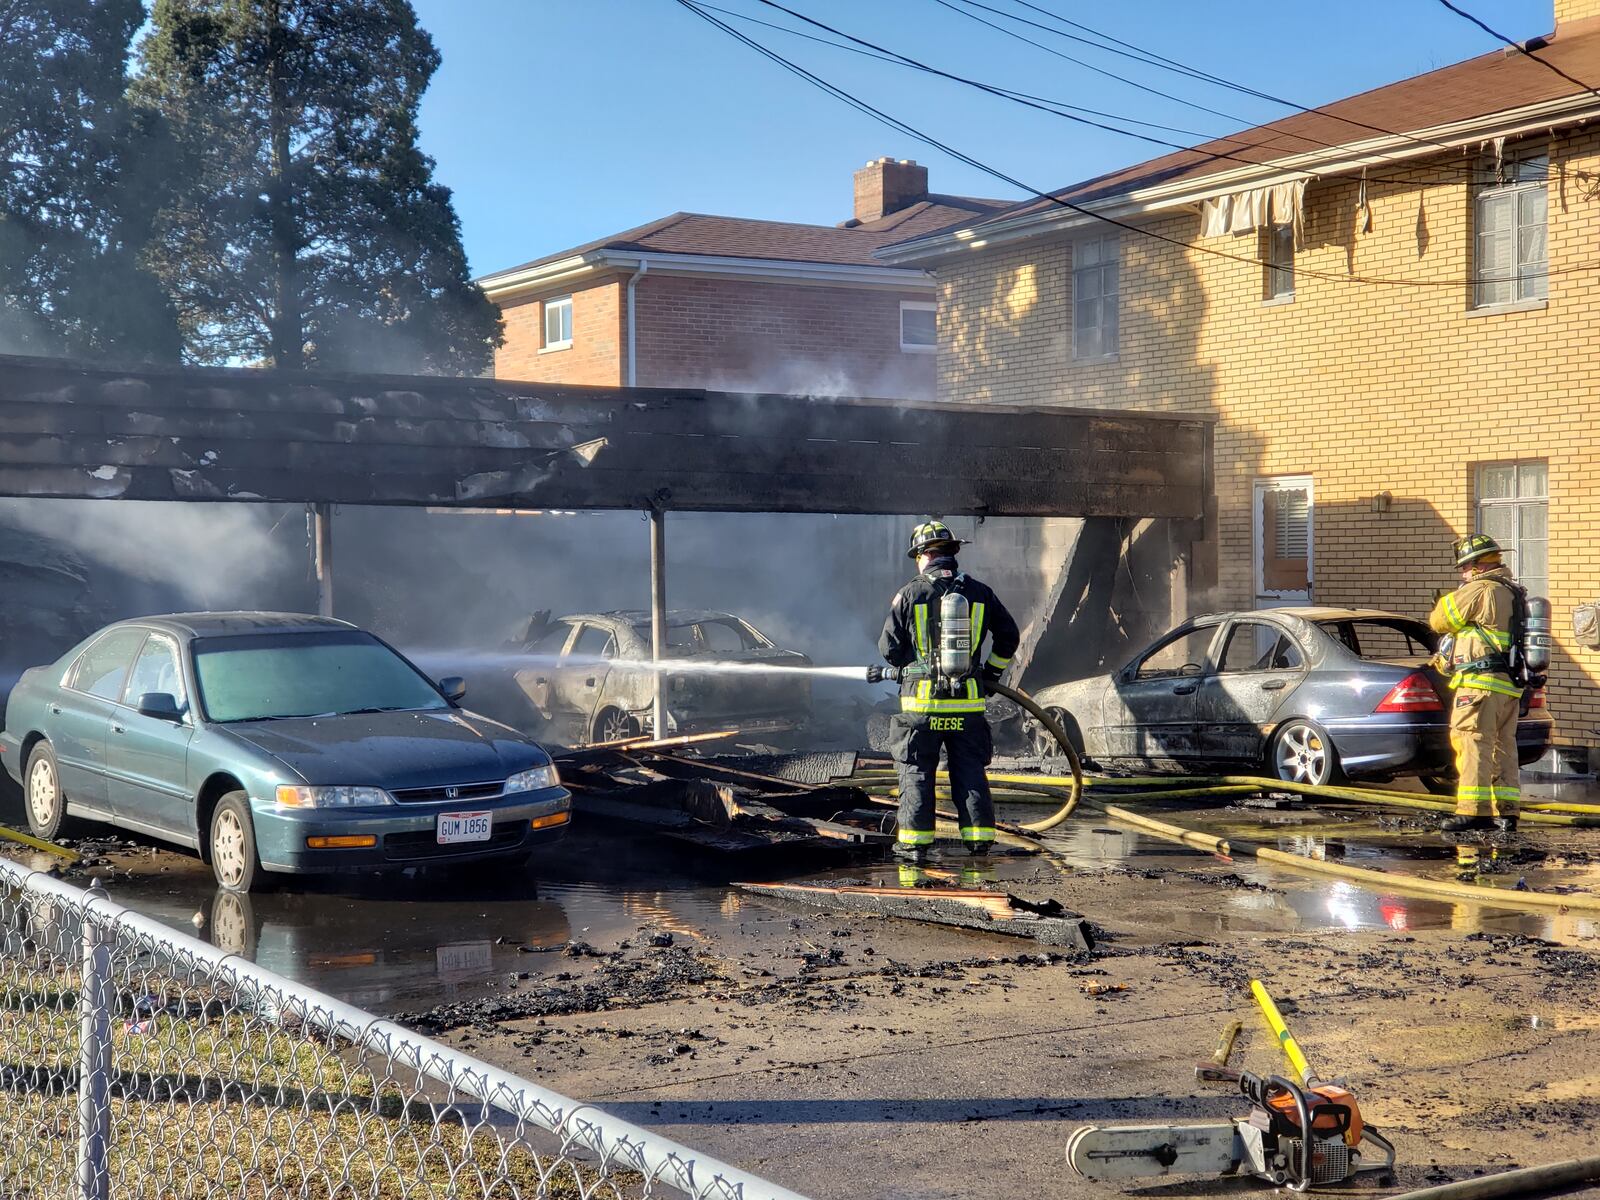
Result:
<point x="94" y="1055"/>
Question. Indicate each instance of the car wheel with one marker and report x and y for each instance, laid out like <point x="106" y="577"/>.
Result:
<point x="1042" y="743"/>
<point x="234" y="927"/>
<point x="1303" y="753"/>
<point x="47" y="806"/>
<point x="234" y="860"/>
<point x="1440" y="785"/>
<point x="613" y="725"/>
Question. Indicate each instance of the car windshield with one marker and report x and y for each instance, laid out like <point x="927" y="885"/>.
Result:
<point x="1384" y="639"/>
<point x="270" y="676"/>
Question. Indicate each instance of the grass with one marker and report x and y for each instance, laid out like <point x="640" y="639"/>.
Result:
<point x="213" y="1101"/>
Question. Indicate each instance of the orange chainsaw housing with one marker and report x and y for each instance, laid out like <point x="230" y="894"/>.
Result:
<point x="1326" y="1123"/>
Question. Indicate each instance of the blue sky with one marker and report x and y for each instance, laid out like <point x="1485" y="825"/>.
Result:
<point x="559" y="122"/>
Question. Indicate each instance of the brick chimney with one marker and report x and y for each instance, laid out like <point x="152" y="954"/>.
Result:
<point x="887" y="185"/>
<point x="1568" y="11"/>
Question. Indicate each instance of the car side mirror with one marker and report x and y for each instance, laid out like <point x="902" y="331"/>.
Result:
<point x="454" y="687"/>
<point x="163" y="706"/>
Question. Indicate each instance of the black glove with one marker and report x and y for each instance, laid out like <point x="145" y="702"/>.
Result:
<point x="883" y="674"/>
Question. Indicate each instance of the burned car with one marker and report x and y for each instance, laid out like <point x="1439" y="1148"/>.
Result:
<point x="1314" y="695"/>
<point x="588" y="675"/>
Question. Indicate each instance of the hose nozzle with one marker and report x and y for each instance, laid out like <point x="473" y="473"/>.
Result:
<point x="877" y="674"/>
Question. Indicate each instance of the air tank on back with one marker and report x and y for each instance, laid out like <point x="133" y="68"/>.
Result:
<point x="1536" y="640"/>
<point x="955" y="636"/>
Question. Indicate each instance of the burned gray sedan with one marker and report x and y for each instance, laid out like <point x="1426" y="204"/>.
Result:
<point x="1308" y="694"/>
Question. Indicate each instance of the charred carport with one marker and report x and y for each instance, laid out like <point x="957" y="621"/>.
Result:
<point x="76" y="430"/>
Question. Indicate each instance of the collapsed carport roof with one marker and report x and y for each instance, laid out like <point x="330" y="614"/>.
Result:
<point x="70" y="429"/>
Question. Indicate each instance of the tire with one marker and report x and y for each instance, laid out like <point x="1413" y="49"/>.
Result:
<point x="42" y="797"/>
<point x="232" y="846"/>
<point x="234" y="927"/>
<point x="613" y="725"/>
<point x="1440" y="785"/>
<point x="1303" y="753"/>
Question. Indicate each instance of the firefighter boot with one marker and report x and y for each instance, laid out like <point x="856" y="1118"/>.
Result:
<point x="1465" y="824"/>
<point x="911" y="854"/>
<point x="1506" y="824"/>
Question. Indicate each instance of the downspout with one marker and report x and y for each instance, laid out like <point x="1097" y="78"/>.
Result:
<point x="633" y="370"/>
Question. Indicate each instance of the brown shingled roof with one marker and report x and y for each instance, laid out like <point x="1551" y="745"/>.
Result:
<point x="1500" y="81"/>
<point x="741" y="237"/>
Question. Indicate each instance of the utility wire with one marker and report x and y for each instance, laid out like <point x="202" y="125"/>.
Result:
<point x="928" y="139"/>
<point x="1518" y="46"/>
<point x="1148" y="58"/>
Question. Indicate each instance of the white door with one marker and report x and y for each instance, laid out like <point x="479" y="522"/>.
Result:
<point x="1281" y="524"/>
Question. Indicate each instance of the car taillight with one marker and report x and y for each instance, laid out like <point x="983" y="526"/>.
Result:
<point x="1537" y="699"/>
<point x="1414" y="693"/>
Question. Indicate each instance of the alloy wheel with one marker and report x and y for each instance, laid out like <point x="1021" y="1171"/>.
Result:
<point x="1302" y="755"/>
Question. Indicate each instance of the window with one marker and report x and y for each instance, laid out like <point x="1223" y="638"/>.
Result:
<point x="919" y="326"/>
<point x="1278" y="254"/>
<point x="1382" y="641"/>
<point x="1283" y="530"/>
<point x="1513" y="499"/>
<point x="593" y="643"/>
<point x="262" y="677"/>
<point x="155" y="670"/>
<point x="1257" y="646"/>
<point x="558" y="323"/>
<point x="101" y="668"/>
<point x="1512" y="260"/>
<point x="1094" y="298"/>
<point x="724" y="637"/>
<point x="1180" y="654"/>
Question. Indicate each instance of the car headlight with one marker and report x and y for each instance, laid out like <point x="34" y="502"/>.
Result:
<point x="533" y="779"/>
<point x="290" y="796"/>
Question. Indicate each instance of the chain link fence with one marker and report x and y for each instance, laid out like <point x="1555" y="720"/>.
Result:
<point x="137" y="1062"/>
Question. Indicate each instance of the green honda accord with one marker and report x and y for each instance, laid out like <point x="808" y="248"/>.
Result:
<point x="275" y="743"/>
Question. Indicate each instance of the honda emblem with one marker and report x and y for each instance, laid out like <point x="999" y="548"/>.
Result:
<point x="452" y="793"/>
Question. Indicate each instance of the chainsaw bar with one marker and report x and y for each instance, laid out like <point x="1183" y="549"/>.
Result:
<point x="1113" y="1152"/>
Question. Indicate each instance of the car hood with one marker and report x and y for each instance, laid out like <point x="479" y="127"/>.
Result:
<point x="393" y="750"/>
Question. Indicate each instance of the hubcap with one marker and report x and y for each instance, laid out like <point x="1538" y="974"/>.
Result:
<point x="227" y="848"/>
<point x="1302" y="756"/>
<point x="42" y="792"/>
<point x="616" y="728"/>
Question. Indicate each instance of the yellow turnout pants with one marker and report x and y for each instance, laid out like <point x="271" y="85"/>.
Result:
<point x="1483" y="731"/>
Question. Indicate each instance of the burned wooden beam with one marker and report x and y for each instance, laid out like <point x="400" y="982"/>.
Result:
<point x="992" y="912"/>
<point x="71" y="429"/>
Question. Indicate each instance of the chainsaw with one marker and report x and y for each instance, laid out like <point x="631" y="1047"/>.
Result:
<point x="1297" y="1135"/>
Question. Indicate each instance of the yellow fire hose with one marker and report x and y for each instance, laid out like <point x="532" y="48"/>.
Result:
<point x="1172" y="833"/>
<point x="1291" y="1048"/>
<point x="27" y="839"/>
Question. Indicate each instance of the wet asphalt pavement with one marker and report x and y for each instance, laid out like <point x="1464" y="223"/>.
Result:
<point x="411" y="942"/>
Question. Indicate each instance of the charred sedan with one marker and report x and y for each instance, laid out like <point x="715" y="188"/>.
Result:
<point x="1308" y="694"/>
<point x="274" y="743"/>
<point x="586" y="674"/>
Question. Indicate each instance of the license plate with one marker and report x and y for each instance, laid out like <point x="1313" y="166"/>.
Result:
<point x="464" y="827"/>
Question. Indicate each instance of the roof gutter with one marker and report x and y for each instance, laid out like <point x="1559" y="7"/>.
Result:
<point x="1336" y="160"/>
<point x="563" y="271"/>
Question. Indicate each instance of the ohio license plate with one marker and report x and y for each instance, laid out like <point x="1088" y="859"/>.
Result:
<point x="464" y="827"/>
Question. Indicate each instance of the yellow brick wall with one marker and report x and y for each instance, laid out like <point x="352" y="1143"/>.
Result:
<point x="1367" y="387"/>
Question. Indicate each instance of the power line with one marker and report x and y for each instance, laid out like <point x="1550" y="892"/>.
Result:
<point x="1518" y="46"/>
<point x="928" y="139"/>
<point x="1148" y="58"/>
<point x="894" y="55"/>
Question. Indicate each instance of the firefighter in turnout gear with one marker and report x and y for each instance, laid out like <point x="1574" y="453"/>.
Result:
<point x="1486" y="700"/>
<point x="941" y="689"/>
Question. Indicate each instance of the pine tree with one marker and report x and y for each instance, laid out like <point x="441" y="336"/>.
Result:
<point x="308" y="230"/>
<point x="78" y="176"/>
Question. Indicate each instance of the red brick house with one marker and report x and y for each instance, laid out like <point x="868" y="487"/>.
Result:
<point x="736" y="304"/>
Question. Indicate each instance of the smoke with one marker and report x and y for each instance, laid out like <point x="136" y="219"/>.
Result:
<point x="142" y="555"/>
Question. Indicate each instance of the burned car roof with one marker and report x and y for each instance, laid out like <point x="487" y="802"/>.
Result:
<point x="219" y="624"/>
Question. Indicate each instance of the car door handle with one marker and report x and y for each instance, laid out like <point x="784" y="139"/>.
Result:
<point x="1274" y="685"/>
<point x="1184" y="689"/>
<point x="115" y="728"/>
<point x="55" y="710"/>
<point x="589" y="682"/>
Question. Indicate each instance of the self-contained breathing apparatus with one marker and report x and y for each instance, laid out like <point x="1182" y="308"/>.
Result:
<point x="1527" y="660"/>
<point x="949" y="664"/>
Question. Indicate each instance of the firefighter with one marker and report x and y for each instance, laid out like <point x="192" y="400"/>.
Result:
<point x="1483" y="714"/>
<point x="936" y="711"/>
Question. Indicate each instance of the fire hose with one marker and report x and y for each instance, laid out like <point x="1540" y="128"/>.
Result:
<point x="1074" y="786"/>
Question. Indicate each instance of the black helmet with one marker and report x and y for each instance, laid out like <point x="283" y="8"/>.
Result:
<point x="1471" y="549"/>
<point x="929" y="535"/>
